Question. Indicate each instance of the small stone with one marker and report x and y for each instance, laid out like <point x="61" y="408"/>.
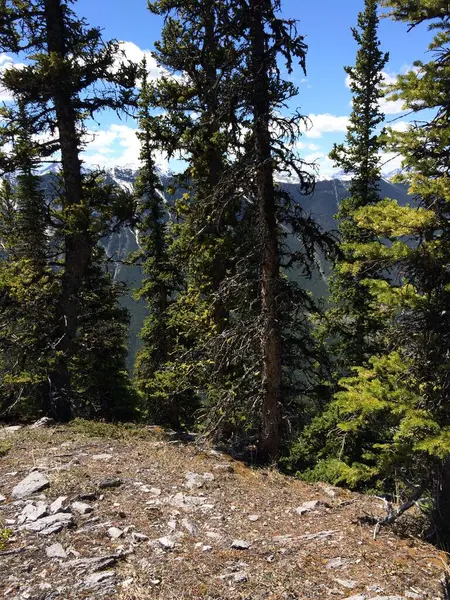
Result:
<point x="206" y="548"/>
<point x="357" y="597"/>
<point x="81" y="508"/>
<point x="58" y="505"/>
<point x="110" y="482"/>
<point x="44" y="422"/>
<point x="388" y="598"/>
<point x="347" y="583"/>
<point x="310" y="506"/>
<point x="88" y="496"/>
<point x="34" y="482"/>
<point x="237" y="577"/>
<point x="49" y="525"/>
<point x="193" y="481"/>
<point x="115" y="533"/>
<point x="337" y="563"/>
<point x="99" y="579"/>
<point x="56" y="551"/>
<point x="241" y="544"/>
<point x="2" y="499"/>
<point x="188" y="526"/>
<point x="167" y="543"/>
<point x="99" y="563"/>
<point x="139" y="537"/>
<point x="180" y="500"/>
<point x="33" y="512"/>
<point x="102" y="457"/>
<point x="172" y="525"/>
<point x="253" y="518"/>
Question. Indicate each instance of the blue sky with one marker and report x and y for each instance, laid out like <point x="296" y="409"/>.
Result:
<point x="323" y="93"/>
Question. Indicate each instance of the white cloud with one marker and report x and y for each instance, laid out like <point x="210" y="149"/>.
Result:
<point x="133" y="53"/>
<point x="324" y="165"/>
<point x="6" y="62"/>
<point x="116" y="146"/>
<point x="326" y="123"/>
<point x="299" y="145"/>
<point x="401" y="126"/>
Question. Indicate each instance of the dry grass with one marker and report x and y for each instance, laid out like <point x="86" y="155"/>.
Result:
<point x="275" y="568"/>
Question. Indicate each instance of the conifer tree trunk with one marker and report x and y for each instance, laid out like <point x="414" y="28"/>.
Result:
<point x="269" y="264"/>
<point x="78" y="245"/>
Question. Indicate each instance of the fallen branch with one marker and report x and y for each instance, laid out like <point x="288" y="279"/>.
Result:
<point x="13" y="551"/>
<point x="393" y="514"/>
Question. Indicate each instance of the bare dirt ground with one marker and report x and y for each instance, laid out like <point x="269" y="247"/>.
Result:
<point x="147" y="517"/>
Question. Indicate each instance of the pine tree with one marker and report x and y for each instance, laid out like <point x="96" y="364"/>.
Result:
<point x="268" y="154"/>
<point x="27" y="284"/>
<point x="160" y="282"/>
<point x="354" y="323"/>
<point x="196" y="96"/>
<point x="392" y="413"/>
<point x="58" y="88"/>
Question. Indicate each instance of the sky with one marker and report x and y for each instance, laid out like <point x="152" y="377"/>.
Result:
<point x="323" y="94"/>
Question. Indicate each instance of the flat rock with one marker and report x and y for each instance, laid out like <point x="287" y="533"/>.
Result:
<point x="98" y="563"/>
<point x="102" y="457"/>
<point x="180" y="500"/>
<point x="81" y="508"/>
<point x="347" y="583"/>
<point x="197" y="481"/>
<point x="241" y="544"/>
<point x="115" y="533"/>
<point x="190" y="528"/>
<point x="388" y="598"/>
<point x="253" y="518"/>
<point x="100" y="580"/>
<point x="55" y="551"/>
<point x="338" y="563"/>
<point x="237" y="577"/>
<point x="34" y="482"/>
<point x="58" y="505"/>
<point x="33" y="512"/>
<point x="166" y="542"/>
<point x="307" y="507"/>
<point x="51" y="524"/>
<point x="110" y="482"/>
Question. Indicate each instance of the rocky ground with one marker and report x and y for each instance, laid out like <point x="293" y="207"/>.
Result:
<point x="96" y="511"/>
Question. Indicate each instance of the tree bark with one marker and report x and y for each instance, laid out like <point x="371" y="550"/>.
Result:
<point x="78" y="243"/>
<point x="441" y="517"/>
<point x="271" y="341"/>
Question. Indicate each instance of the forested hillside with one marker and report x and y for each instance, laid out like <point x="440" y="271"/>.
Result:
<point x="302" y="321"/>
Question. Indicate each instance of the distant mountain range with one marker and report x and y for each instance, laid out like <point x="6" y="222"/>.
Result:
<point x="323" y="205"/>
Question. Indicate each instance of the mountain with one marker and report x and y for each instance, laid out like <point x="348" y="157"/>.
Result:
<point x="323" y="205"/>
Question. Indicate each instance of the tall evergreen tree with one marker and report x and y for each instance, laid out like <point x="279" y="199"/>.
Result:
<point x="27" y="284"/>
<point x="196" y="96"/>
<point x="67" y="61"/>
<point x="393" y="413"/>
<point x="160" y="282"/>
<point x="354" y="323"/>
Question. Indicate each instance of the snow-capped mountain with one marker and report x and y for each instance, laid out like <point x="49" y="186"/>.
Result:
<point x="323" y="205"/>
